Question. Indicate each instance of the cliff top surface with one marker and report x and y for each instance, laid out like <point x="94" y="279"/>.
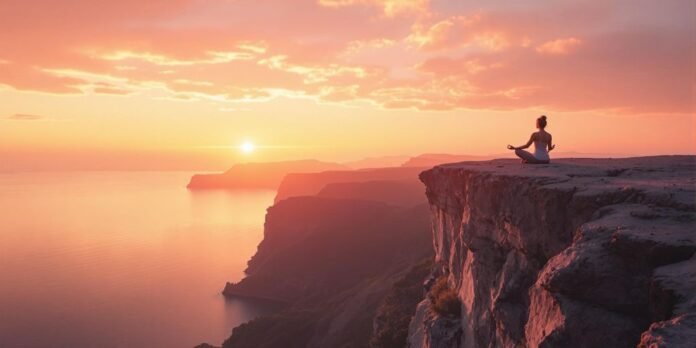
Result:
<point x="585" y="167"/>
<point x="671" y="176"/>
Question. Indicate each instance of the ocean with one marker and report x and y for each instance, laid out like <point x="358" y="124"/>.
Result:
<point x="122" y="259"/>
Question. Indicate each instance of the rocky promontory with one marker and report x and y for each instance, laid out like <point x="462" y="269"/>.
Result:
<point x="266" y="175"/>
<point x="345" y="251"/>
<point x="578" y="253"/>
<point x="310" y="184"/>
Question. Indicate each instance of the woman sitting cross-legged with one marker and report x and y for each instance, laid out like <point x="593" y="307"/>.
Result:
<point x="543" y="144"/>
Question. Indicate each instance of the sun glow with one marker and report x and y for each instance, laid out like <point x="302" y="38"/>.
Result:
<point x="247" y="147"/>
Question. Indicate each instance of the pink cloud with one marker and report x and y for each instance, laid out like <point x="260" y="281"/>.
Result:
<point x="27" y="77"/>
<point x="422" y="54"/>
<point x="559" y="46"/>
<point x="613" y="71"/>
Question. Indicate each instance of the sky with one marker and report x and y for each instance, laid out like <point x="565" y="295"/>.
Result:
<point x="180" y="84"/>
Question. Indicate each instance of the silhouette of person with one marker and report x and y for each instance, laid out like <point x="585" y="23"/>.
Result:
<point x="543" y="144"/>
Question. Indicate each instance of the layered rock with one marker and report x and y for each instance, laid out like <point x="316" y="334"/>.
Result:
<point x="332" y="261"/>
<point x="310" y="184"/>
<point x="313" y="246"/>
<point x="391" y="322"/>
<point x="582" y="253"/>
<point x="404" y="193"/>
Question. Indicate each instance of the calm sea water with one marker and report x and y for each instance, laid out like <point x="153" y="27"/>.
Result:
<point x="122" y="259"/>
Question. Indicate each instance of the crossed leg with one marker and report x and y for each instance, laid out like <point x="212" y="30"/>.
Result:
<point x="527" y="157"/>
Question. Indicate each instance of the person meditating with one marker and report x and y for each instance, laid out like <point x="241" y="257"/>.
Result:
<point x="543" y="144"/>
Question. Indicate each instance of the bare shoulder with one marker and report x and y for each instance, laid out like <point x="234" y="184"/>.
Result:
<point x="548" y="138"/>
<point x="543" y="136"/>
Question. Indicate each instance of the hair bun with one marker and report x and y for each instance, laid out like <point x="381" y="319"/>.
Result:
<point x="543" y="117"/>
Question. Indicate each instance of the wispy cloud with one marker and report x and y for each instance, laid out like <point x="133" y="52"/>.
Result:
<point x="25" y="117"/>
<point x="560" y="46"/>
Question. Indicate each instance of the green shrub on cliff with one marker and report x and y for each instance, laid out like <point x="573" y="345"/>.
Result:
<point x="394" y="314"/>
<point x="444" y="300"/>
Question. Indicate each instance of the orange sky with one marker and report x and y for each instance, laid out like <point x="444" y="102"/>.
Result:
<point x="177" y="84"/>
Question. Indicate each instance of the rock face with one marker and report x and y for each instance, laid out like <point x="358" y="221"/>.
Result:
<point x="391" y="323"/>
<point x="310" y="184"/>
<point x="399" y="193"/>
<point x="581" y="253"/>
<point x="346" y="251"/>
<point x="315" y="246"/>
<point x="332" y="262"/>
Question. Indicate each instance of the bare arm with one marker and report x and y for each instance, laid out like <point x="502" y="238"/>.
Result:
<point x="551" y="144"/>
<point x="528" y="144"/>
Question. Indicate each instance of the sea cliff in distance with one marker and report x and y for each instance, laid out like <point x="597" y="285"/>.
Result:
<point x="346" y="252"/>
<point x="269" y="175"/>
<point x="258" y="175"/>
<point x="430" y="160"/>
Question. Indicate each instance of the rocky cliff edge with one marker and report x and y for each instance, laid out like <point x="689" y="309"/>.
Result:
<point x="578" y="253"/>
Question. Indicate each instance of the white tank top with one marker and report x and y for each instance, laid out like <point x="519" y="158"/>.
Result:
<point x="541" y="151"/>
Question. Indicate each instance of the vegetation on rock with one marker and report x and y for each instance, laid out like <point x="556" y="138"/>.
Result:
<point x="444" y="299"/>
<point x="394" y="314"/>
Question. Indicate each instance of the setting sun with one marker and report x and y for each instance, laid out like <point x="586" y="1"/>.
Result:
<point x="247" y="147"/>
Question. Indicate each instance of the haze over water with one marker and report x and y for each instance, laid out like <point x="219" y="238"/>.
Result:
<point x="106" y="259"/>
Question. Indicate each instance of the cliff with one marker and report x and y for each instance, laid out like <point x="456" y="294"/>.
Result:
<point x="316" y="245"/>
<point x="581" y="253"/>
<point x="310" y="184"/>
<point x="395" y="192"/>
<point x="346" y="252"/>
<point x="258" y="175"/>
<point x="332" y="262"/>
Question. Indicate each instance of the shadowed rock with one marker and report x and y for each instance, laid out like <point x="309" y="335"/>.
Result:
<point x="310" y="184"/>
<point x="399" y="193"/>
<point x="332" y="261"/>
<point x="581" y="252"/>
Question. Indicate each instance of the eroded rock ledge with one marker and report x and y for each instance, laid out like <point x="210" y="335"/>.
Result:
<point x="581" y="253"/>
